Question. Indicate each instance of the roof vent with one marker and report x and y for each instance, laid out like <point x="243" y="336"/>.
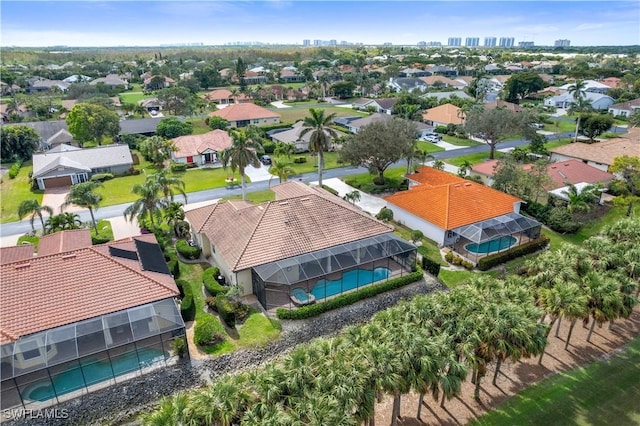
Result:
<point x="284" y="203"/>
<point x="69" y="256"/>
<point x="22" y="265"/>
<point x="304" y="199"/>
<point x="457" y="185"/>
<point x="467" y="184"/>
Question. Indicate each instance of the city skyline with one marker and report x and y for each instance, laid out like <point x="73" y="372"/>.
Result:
<point x="156" y="23"/>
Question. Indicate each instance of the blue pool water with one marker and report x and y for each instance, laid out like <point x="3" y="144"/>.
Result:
<point x="96" y="372"/>
<point x="350" y="280"/>
<point x="498" y="244"/>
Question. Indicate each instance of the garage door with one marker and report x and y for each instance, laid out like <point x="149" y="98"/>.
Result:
<point x="57" y="181"/>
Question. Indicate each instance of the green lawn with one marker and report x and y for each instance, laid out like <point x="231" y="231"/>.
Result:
<point x="256" y="197"/>
<point x="363" y="179"/>
<point x="311" y="165"/>
<point x="557" y="143"/>
<point x="199" y="126"/>
<point x="132" y="97"/>
<point x="291" y="115"/>
<point x="455" y="278"/>
<point x="473" y="158"/>
<point x="459" y="141"/>
<point x="604" y="392"/>
<point x="560" y="126"/>
<point x="428" y="248"/>
<point x="104" y="229"/>
<point x="15" y="191"/>
<point x="429" y="147"/>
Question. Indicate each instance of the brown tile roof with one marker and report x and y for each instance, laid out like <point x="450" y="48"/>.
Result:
<point x="218" y="94"/>
<point x="16" y="253"/>
<point x="446" y="113"/>
<point x="191" y="145"/>
<point x="503" y="104"/>
<point x="255" y="235"/>
<point x="60" y="242"/>
<point x="488" y="168"/>
<point x="244" y="111"/>
<point x="291" y="189"/>
<point x="575" y="171"/>
<point x="58" y="289"/>
<point x="453" y="203"/>
<point x="600" y="152"/>
<point x="432" y="79"/>
<point x="626" y="105"/>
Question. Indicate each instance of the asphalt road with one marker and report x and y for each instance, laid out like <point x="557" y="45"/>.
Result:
<point x="15" y="228"/>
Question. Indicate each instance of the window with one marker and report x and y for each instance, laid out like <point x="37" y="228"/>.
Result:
<point x="33" y="353"/>
<point x="255" y="121"/>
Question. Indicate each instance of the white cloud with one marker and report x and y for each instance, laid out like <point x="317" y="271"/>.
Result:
<point x="590" y="26"/>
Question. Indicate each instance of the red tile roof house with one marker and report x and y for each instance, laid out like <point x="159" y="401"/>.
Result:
<point x="600" y="154"/>
<point x="284" y="252"/>
<point x="78" y="317"/>
<point x="442" y="115"/>
<point x="201" y="149"/>
<point x="242" y="115"/>
<point x="225" y="97"/>
<point x="470" y="218"/>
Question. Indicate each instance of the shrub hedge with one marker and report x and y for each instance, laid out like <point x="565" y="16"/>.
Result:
<point x="178" y="167"/>
<point x="101" y="177"/>
<point x="206" y="329"/>
<point x="187" y="251"/>
<point x="492" y="260"/>
<point x="430" y="266"/>
<point x="300" y="160"/>
<point x="210" y="282"/>
<point x="187" y="306"/>
<point x="174" y="267"/>
<point x="15" y="169"/>
<point x="226" y="311"/>
<point x="349" y="298"/>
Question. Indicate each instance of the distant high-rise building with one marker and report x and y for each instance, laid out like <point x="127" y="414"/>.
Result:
<point x="563" y="42"/>
<point x="434" y="43"/>
<point x="333" y="43"/>
<point x="507" y="42"/>
<point x="422" y="44"/>
<point x="490" y="42"/>
<point x="526" y="44"/>
<point x="317" y="42"/>
<point x="454" y="41"/>
<point x="472" y="42"/>
<point x="306" y="42"/>
<point x="387" y="43"/>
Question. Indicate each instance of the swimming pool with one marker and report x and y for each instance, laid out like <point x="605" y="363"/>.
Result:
<point x="490" y="246"/>
<point x="350" y="280"/>
<point x="92" y="373"/>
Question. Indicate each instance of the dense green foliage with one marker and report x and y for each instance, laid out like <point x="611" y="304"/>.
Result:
<point x="187" y="305"/>
<point x="532" y="246"/>
<point x="91" y="122"/>
<point x="211" y="284"/>
<point x="18" y="142"/>
<point x="172" y="127"/>
<point x="187" y="251"/>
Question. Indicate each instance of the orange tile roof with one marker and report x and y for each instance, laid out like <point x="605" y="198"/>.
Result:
<point x="452" y="203"/>
<point x="432" y="79"/>
<point x="244" y="111"/>
<point x="16" y="253"/>
<point x="217" y="94"/>
<point x="503" y="104"/>
<point x="446" y="113"/>
<point x="600" y="152"/>
<point x="259" y="234"/>
<point x="63" y="288"/>
<point x="60" y="242"/>
<point x="191" y="145"/>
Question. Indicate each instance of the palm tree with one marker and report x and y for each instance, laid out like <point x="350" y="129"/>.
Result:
<point x="148" y="203"/>
<point x="168" y="185"/>
<point x="605" y="299"/>
<point x="83" y="194"/>
<point x="62" y="222"/>
<point x="33" y="208"/>
<point x="577" y="89"/>
<point x="580" y="200"/>
<point x="280" y="168"/>
<point x="173" y="213"/>
<point x="318" y="124"/>
<point x="242" y="153"/>
<point x="283" y="149"/>
<point x="464" y="168"/>
<point x="438" y="165"/>
<point x="353" y="197"/>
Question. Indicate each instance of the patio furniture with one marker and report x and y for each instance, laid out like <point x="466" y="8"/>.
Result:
<point x="299" y="297"/>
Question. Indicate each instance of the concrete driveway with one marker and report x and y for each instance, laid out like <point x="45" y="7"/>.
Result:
<point x="54" y="198"/>
<point x="259" y="174"/>
<point x="368" y="203"/>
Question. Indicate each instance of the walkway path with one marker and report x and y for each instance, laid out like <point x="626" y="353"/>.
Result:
<point x="280" y="104"/>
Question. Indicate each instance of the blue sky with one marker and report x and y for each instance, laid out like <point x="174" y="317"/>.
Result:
<point x="151" y="23"/>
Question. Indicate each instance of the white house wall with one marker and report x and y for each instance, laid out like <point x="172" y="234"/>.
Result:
<point x="412" y="221"/>
<point x="559" y="157"/>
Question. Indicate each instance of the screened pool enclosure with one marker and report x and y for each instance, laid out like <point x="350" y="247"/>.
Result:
<point x="322" y="274"/>
<point x="493" y="235"/>
<point x="45" y="368"/>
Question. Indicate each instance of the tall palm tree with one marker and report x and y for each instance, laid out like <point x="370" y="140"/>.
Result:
<point x="580" y="200"/>
<point x="149" y="202"/>
<point x="353" y="197"/>
<point x="318" y="125"/>
<point x="280" y="168"/>
<point x="284" y="149"/>
<point x="33" y="208"/>
<point x="577" y="90"/>
<point x="242" y="153"/>
<point x="173" y="213"/>
<point x="168" y="185"/>
<point x="83" y="194"/>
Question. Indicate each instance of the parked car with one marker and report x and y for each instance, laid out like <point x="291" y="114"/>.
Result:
<point x="266" y="160"/>
<point x="432" y="138"/>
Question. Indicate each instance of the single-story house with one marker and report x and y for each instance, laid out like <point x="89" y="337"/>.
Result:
<point x="151" y="104"/>
<point x="142" y="126"/>
<point x="77" y="78"/>
<point x="503" y="105"/>
<point x="251" y="77"/>
<point x="447" y="95"/>
<point x="383" y="105"/>
<point x="76" y="317"/>
<point x="442" y="115"/>
<point x="291" y="76"/>
<point x="354" y="126"/>
<point x="625" y="109"/>
<point x="560" y="173"/>
<point x="67" y="165"/>
<point x="565" y="100"/>
<point x="441" y="70"/>
<point x="157" y="82"/>
<point x="112" y="80"/>
<point x="46" y="129"/>
<point x="470" y="218"/>
<point x="600" y="154"/>
<point x="407" y="83"/>
<point x="308" y="244"/>
<point x="219" y="96"/>
<point x="242" y="115"/>
<point x="292" y="136"/>
<point x="414" y="72"/>
<point x="61" y="137"/>
<point x="44" y="85"/>
<point x="442" y="81"/>
<point x="591" y="86"/>
<point x="201" y="149"/>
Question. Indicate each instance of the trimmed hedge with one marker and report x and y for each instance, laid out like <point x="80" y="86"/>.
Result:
<point x="174" y="267"/>
<point x="15" y="169"/>
<point x="99" y="239"/>
<point x="101" y="177"/>
<point x="430" y="266"/>
<point x="187" y="306"/>
<point x="207" y="331"/>
<point x="300" y="160"/>
<point x="226" y="311"/>
<point x="349" y="298"/>
<point x="210" y="282"/>
<point x="178" y="167"/>
<point x="187" y="251"/>
<point x="492" y="260"/>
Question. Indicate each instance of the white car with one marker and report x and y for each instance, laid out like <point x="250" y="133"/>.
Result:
<point x="432" y="138"/>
